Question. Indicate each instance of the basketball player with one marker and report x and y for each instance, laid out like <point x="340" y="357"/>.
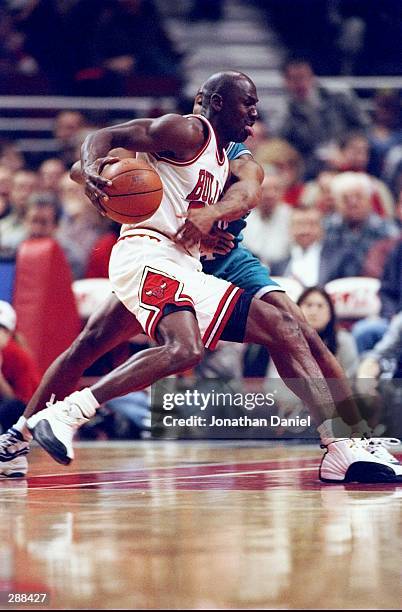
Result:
<point x="171" y="319"/>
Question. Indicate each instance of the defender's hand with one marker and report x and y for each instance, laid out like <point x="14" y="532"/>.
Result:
<point x="198" y="224"/>
<point x="218" y="241"/>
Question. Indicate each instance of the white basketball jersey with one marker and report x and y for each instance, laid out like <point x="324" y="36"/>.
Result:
<point x="195" y="183"/>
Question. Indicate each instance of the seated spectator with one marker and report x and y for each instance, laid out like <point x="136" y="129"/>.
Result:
<point x="354" y="228"/>
<point x="51" y="172"/>
<point x="288" y="164"/>
<point x="368" y="332"/>
<point x="267" y="230"/>
<point x="353" y="156"/>
<point x="80" y="226"/>
<point x="67" y="126"/>
<point x="318" y="193"/>
<point x="311" y="260"/>
<point x="386" y="356"/>
<point x="315" y="118"/>
<point x="42" y="216"/>
<point x="5" y="190"/>
<point x="12" y="228"/>
<point x="18" y="372"/>
<point x="11" y="157"/>
<point x="392" y="169"/>
<point x="319" y="311"/>
<point x="386" y="129"/>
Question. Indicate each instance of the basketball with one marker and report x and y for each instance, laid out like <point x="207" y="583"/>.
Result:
<point x="136" y="192"/>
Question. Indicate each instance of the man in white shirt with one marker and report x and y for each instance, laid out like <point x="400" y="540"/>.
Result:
<point x="267" y="231"/>
<point x="307" y="262"/>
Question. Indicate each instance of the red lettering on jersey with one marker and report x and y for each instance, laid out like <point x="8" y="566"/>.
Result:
<point x="207" y="189"/>
<point x="198" y="189"/>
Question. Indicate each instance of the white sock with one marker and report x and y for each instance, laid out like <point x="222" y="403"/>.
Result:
<point x="86" y="401"/>
<point x="21" y="426"/>
<point x="362" y="428"/>
<point x="334" y="429"/>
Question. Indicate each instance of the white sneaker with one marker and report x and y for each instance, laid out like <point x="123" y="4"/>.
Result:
<point x="13" y="448"/>
<point x="54" y="428"/>
<point x="349" y="461"/>
<point x="379" y="448"/>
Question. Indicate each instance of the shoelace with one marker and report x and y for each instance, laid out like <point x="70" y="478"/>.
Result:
<point x="379" y="447"/>
<point x="10" y="439"/>
<point x="51" y="402"/>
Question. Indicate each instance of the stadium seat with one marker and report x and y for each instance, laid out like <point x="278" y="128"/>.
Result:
<point x="355" y="297"/>
<point x="89" y="293"/>
<point x="43" y="299"/>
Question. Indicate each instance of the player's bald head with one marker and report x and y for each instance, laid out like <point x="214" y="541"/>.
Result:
<point x="224" y="84"/>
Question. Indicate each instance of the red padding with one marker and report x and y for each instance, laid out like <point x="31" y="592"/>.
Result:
<point x="43" y="299"/>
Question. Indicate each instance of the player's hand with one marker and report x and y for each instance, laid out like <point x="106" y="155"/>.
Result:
<point x="95" y="183"/>
<point x="218" y="241"/>
<point x="198" y="224"/>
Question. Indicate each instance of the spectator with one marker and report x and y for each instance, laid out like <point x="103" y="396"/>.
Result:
<point x="42" y="216"/>
<point x="267" y="230"/>
<point x="11" y="157"/>
<point x="18" y="372"/>
<point x="354" y="228"/>
<point x="50" y="173"/>
<point x="12" y="228"/>
<point x="392" y="170"/>
<point x="80" y="225"/>
<point x="319" y="311"/>
<point x="142" y="47"/>
<point x="368" y="332"/>
<point x="315" y="118"/>
<point x="386" y="356"/>
<point x="386" y="129"/>
<point x="5" y="189"/>
<point x="318" y="193"/>
<point x="354" y="157"/>
<point x="311" y="260"/>
<point x="288" y="164"/>
<point x="67" y="127"/>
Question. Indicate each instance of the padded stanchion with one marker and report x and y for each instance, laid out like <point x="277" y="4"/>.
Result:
<point x="46" y="310"/>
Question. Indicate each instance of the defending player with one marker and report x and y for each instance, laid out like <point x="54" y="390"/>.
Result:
<point x="301" y="362"/>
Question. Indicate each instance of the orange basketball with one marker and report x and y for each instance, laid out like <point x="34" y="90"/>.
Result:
<point x="136" y="191"/>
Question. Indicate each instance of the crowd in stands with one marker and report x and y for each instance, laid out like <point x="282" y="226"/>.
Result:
<point x="331" y="199"/>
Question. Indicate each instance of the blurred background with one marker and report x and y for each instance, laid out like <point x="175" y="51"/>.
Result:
<point x="329" y="79"/>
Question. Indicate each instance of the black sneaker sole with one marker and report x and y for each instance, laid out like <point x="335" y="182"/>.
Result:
<point x="43" y="434"/>
<point x="367" y="472"/>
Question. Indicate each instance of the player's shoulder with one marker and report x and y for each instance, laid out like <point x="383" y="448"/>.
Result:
<point x="236" y="149"/>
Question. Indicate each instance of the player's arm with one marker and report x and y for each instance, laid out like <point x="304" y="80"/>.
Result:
<point x="182" y="136"/>
<point x="243" y="195"/>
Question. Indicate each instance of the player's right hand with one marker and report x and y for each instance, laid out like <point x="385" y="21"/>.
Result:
<point x="218" y="241"/>
<point x="95" y="183"/>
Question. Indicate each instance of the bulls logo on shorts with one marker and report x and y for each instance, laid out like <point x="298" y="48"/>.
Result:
<point x="158" y="289"/>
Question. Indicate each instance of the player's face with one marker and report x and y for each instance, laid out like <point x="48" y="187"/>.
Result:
<point x="240" y="111"/>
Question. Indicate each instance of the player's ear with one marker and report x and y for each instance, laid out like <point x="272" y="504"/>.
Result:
<point x="216" y="102"/>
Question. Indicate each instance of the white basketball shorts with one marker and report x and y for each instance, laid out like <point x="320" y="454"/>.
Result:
<point x="148" y="272"/>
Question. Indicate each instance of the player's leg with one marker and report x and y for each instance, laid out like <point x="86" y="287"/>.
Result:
<point x="180" y="349"/>
<point x="346" y="459"/>
<point x="110" y="325"/>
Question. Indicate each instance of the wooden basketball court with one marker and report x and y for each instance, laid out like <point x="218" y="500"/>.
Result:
<point x="151" y="525"/>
